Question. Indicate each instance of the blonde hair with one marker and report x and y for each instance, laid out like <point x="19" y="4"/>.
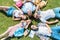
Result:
<point x="37" y="2"/>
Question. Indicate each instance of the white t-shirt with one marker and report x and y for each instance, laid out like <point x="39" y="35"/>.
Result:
<point x="43" y="30"/>
<point x="17" y="13"/>
<point x="45" y="15"/>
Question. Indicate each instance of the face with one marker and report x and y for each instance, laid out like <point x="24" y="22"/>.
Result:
<point x="29" y="13"/>
<point x="42" y="4"/>
<point x="23" y="17"/>
<point x="36" y="16"/>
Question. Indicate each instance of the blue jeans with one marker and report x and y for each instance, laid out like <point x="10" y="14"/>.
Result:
<point x="57" y="12"/>
<point x="55" y="32"/>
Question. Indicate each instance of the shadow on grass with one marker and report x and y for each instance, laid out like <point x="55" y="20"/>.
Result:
<point x="4" y="13"/>
<point x="36" y="20"/>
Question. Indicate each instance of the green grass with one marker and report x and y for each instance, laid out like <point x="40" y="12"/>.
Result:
<point x="5" y="21"/>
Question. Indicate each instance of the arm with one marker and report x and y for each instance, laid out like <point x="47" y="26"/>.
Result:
<point x="27" y="24"/>
<point x="52" y="22"/>
<point x="48" y="28"/>
<point x="37" y="8"/>
<point x="46" y="1"/>
<point x="26" y="32"/>
<point x="44" y="21"/>
<point x="17" y="7"/>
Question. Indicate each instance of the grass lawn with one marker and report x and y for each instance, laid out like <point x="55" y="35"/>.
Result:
<point x="5" y="21"/>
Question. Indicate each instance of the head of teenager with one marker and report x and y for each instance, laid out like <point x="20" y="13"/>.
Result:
<point x="23" y="17"/>
<point x="42" y="4"/>
<point x="19" y="14"/>
<point x="37" y="15"/>
<point x="27" y="22"/>
<point x="29" y="13"/>
<point x="36" y="2"/>
<point x="19" y="4"/>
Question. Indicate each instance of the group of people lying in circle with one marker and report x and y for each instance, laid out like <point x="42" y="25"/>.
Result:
<point x="32" y="8"/>
<point x="23" y="7"/>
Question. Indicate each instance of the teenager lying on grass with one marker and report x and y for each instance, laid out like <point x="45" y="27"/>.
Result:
<point x="11" y="11"/>
<point x="43" y="31"/>
<point x="31" y="5"/>
<point x="39" y="3"/>
<point x="45" y="15"/>
<point x="16" y="30"/>
<point x="28" y="6"/>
